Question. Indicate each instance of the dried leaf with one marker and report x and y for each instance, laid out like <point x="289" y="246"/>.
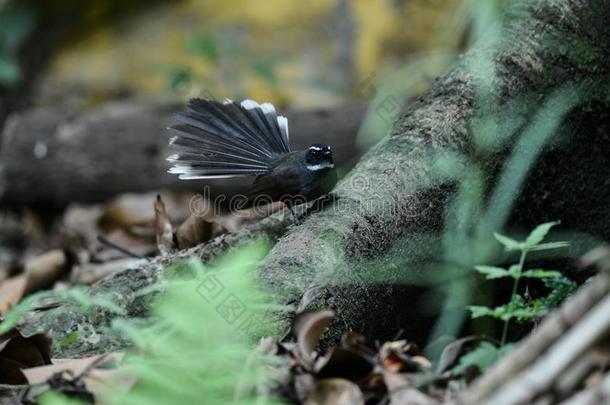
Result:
<point x="83" y="378"/>
<point x="396" y="356"/>
<point x="238" y="219"/>
<point x="82" y="221"/>
<point x="308" y="329"/>
<point x="11" y="291"/>
<point x="128" y="210"/>
<point x="453" y="351"/>
<point x="163" y="226"/>
<point x="336" y="391"/>
<point x="194" y="231"/>
<point x="393" y="363"/>
<point x="38" y="375"/>
<point x="18" y="352"/>
<point x="42" y="271"/>
<point x="402" y="391"/>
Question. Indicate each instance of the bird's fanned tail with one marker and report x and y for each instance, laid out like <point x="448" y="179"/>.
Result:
<point x="215" y="140"/>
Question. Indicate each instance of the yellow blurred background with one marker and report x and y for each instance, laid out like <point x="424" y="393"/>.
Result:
<point x="314" y="53"/>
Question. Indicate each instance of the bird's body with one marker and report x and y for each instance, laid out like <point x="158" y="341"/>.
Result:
<point x="218" y="140"/>
<point x="299" y="184"/>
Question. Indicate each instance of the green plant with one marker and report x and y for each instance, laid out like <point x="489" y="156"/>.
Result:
<point x="201" y="348"/>
<point x="16" y="23"/>
<point x="199" y="344"/>
<point x="518" y="308"/>
<point x="483" y="357"/>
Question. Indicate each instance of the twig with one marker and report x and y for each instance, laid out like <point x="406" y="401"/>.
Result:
<point x="598" y="394"/>
<point x="102" y="239"/>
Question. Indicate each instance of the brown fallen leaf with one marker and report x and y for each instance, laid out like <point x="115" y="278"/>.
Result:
<point x="82" y="221"/>
<point x="238" y="219"/>
<point x="97" y="381"/>
<point x="402" y="390"/>
<point x="130" y="210"/>
<point x="42" y="271"/>
<point x="194" y="231"/>
<point x="39" y="375"/>
<point x="453" y="351"/>
<point x="398" y="356"/>
<point x="18" y="353"/>
<point x="163" y="227"/>
<point x="127" y="210"/>
<point x="205" y="223"/>
<point x="335" y="391"/>
<point x="11" y="291"/>
<point x="308" y="328"/>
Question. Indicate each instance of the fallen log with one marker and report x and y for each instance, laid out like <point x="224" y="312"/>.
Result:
<point x="57" y="156"/>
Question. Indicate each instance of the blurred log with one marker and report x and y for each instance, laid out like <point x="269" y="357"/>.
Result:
<point x="57" y="156"/>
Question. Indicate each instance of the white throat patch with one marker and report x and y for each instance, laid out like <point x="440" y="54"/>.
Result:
<point x="321" y="166"/>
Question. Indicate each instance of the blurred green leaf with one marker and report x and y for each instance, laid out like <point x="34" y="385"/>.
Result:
<point x="528" y="147"/>
<point x="517" y="308"/>
<point x="539" y="273"/>
<point x="549" y="246"/>
<point x="265" y="70"/>
<point x="561" y="288"/>
<point x="16" y="22"/>
<point x="492" y="272"/>
<point x="10" y="72"/>
<point x="51" y="397"/>
<point x="203" y="45"/>
<point x="179" y="80"/>
<point x="478" y="311"/>
<point x="483" y="357"/>
<point x="539" y="233"/>
<point x="203" y="350"/>
<point x="509" y="244"/>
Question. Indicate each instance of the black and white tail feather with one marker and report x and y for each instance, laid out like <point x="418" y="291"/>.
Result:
<point x="228" y="139"/>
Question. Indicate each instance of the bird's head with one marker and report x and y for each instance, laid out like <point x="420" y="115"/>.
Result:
<point x="319" y="157"/>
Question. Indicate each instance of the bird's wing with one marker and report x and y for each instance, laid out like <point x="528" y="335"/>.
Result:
<point x="227" y="139"/>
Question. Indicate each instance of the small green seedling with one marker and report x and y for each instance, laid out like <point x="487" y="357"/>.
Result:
<point x="518" y="308"/>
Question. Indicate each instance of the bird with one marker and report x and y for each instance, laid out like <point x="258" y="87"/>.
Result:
<point x="226" y="139"/>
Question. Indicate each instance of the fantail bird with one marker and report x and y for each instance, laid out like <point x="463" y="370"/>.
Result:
<point x="230" y="139"/>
